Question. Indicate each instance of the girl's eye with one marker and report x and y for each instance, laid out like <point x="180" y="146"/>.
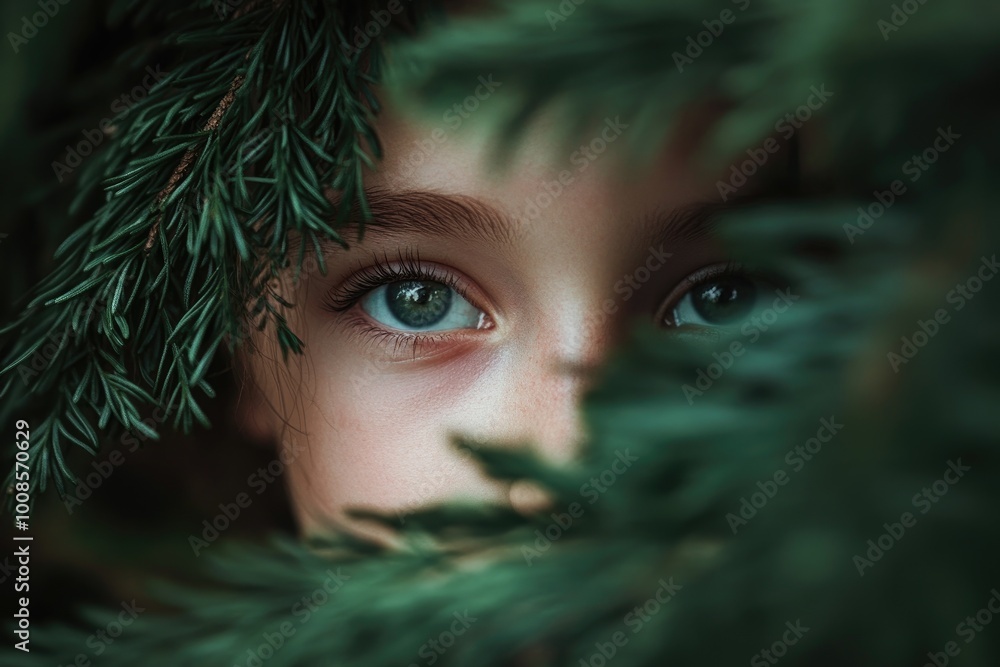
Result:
<point x="720" y="299"/>
<point x="421" y="305"/>
<point x="718" y="302"/>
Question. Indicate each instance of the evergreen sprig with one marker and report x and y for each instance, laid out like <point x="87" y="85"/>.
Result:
<point x="259" y="133"/>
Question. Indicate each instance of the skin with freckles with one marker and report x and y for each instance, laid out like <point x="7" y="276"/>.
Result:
<point x="531" y="272"/>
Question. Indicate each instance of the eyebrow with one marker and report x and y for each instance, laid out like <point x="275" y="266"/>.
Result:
<point x="417" y="212"/>
<point x="411" y="213"/>
<point x="686" y="224"/>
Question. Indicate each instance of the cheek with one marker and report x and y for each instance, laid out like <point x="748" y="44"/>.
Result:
<point x="378" y="436"/>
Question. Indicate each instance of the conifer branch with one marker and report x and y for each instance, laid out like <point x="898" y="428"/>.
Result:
<point x="189" y="157"/>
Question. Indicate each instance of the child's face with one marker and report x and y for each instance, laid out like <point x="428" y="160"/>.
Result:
<point x="470" y="300"/>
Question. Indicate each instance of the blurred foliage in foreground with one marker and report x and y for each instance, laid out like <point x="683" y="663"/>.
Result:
<point x="874" y="547"/>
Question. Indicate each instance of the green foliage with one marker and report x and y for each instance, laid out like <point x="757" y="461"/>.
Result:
<point x="258" y="135"/>
<point x="698" y="455"/>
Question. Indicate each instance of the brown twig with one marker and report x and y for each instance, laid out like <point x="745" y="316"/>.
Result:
<point x="189" y="157"/>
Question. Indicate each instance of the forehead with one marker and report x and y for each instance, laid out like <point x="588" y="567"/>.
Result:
<point x="451" y="150"/>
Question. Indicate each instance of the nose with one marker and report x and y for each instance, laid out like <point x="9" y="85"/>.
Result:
<point x="553" y="378"/>
<point x="555" y="370"/>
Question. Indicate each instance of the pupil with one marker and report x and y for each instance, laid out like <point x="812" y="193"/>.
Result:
<point x="725" y="301"/>
<point x="418" y="303"/>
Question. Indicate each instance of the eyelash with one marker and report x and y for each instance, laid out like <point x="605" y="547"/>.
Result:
<point x="707" y="274"/>
<point x="382" y="271"/>
<point x="718" y="272"/>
